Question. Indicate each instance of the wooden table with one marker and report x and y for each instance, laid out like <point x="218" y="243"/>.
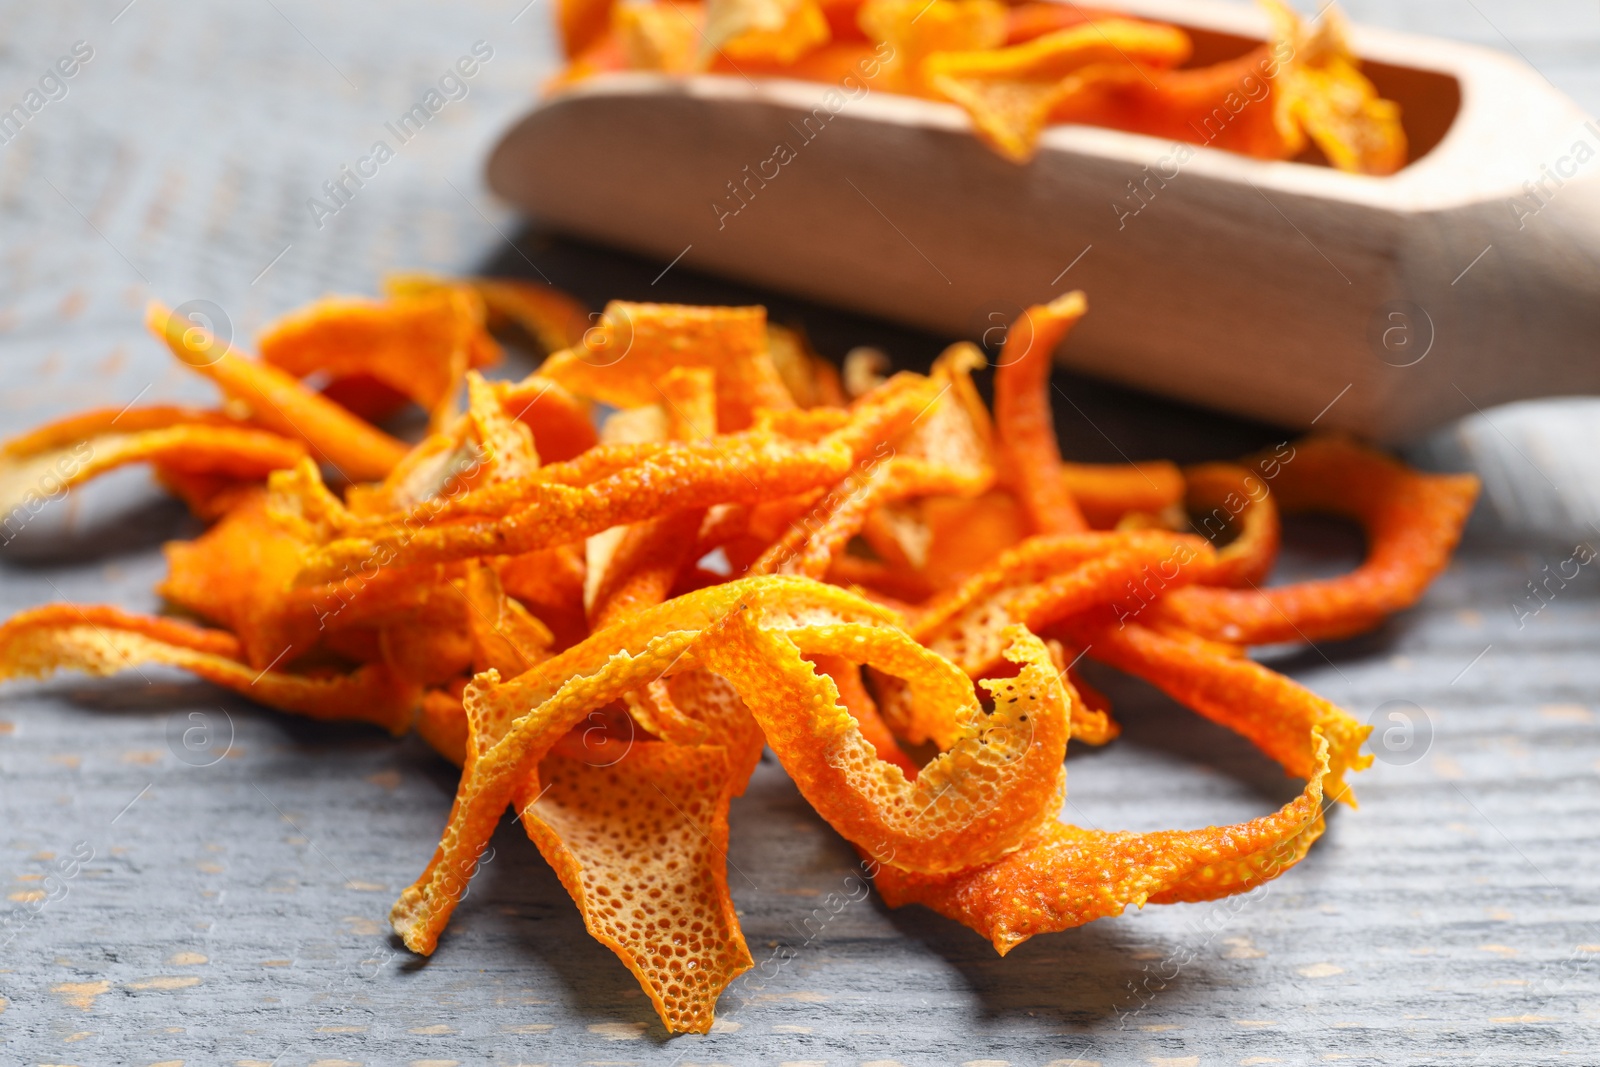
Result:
<point x="233" y="907"/>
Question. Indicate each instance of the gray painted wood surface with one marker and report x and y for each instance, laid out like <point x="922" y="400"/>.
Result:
<point x="234" y="912"/>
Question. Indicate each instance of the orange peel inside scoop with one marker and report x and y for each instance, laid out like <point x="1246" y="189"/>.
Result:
<point x="917" y="29"/>
<point x="1017" y="68"/>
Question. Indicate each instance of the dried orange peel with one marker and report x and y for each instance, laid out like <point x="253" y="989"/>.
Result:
<point x="1275" y="713"/>
<point x="1022" y="408"/>
<point x="1412" y="522"/>
<point x="641" y="845"/>
<point x="44" y="464"/>
<point x="604" y="589"/>
<point x="1017" y="69"/>
<point x="1067" y="876"/>
<point x="418" y="343"/>
<point x="279" y="402"/>
<point x="104" y="640"/>
<point x="1228" y="499"/>
<point x="999" y="777"/>
<point x="622" y="357"/>
<point x="567" y="502"/>
<point x="1010" y="92"/>
<point x="639" y="838"/>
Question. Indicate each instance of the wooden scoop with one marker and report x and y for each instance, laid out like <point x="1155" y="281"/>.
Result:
<point x="1286" y="291"/>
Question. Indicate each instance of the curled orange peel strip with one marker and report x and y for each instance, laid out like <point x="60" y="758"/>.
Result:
<point x="1275" y="713"/>
<point x="1035" y="585"/>
<point x="816" y="538"/>
<point x="104" y="640"/>
<point x="1047" y="579"/>
<point x="1067" y="876"/>
<point x="636" y="569"/>
<point x="1107" y="492"/>
<point x="506" y="443"/>
<point x="506" y="637"/>
<point x="1023" y="416"/>
<point x="545" y="313"/>
<point x="946" y="451"/>
<point x="962" y="535"/>
<point x="811" y="380"/>
<point x="641" y="845"/>
<point x="238" y="574"/>
<point x="855" y="699"/>
<point x="916" y="29"/>
<point x="550" y="584"/>
<point x="562" y="424"/>
<point x="1412" y="521"/>
<point x="999" y="778"/>
<point x="1324" y="96"/>
<point x="418" y="342"/>
<point x="537" y="512"/>
<point x="43" y="464"/>
<point x="1223" y="498"/>
<point x="761" y="31"/>
<point x="825" y="432"/>
<point x="63" y="432"/>
<point x="640" y="840"/>
<point x="279" y="402"/>
<point x="581" y="23"/>
<point x="432" y="643"/>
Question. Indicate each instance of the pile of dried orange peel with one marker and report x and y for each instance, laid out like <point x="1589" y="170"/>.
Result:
<point x="604" y="626"/>
<point x="1018" y="67"/>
